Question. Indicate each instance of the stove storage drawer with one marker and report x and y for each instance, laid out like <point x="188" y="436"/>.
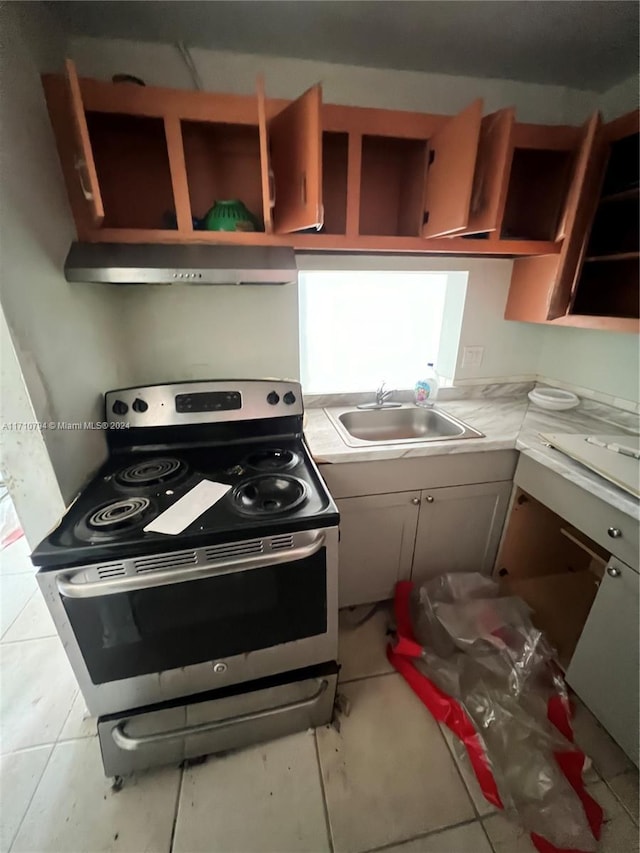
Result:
<point x="217" y="721"/>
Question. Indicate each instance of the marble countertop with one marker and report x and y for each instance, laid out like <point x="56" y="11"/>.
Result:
<point x="507" y="424"/>
<point x="529" y="443"/>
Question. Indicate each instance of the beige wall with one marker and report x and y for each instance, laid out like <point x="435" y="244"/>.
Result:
<point x="66" y="337"/>
<point x="620" y="99"/>
<point x="221" y="71"/>
<point x="606" y="362"/>
<point x="183" y="332"/>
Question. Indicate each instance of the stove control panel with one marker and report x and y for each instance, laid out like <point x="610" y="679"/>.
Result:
<point x="208" y="401"/>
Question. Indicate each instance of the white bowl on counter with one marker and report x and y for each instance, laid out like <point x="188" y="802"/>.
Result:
<point x="553" y="399"/>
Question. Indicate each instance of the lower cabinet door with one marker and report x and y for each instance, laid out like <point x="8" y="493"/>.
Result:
<point x="604" y="667"/>
<point x="377" y="535"/>
<point x="459" y="529"/>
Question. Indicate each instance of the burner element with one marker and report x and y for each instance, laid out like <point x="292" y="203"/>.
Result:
<point x="111" y="521"/>
<point x="269" y="495"/>
<point x="272" y="459"/>
<point x="119" y="514"/>
<point x="151" y="472"/>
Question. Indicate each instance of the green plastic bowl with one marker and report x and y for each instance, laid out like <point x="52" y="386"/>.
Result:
<point x="230" y="215"/>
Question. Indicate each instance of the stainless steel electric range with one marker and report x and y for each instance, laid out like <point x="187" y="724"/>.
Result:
<point x="224" y="633"/>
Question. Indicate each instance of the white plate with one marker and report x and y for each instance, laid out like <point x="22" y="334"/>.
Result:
<point x="553" y="399"/>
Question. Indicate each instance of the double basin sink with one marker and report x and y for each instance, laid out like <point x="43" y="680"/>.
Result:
<point x="401" y="425"/>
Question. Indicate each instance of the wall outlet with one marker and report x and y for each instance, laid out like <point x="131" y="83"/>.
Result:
<point x="472" y="356"/>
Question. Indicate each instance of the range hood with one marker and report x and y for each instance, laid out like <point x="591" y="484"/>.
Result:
<point x="155" y="263"/>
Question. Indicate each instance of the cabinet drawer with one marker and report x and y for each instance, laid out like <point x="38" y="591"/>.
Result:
<point x="350" y="479"/>
<point x="217" y="721"/>
<point x="580" y="508"/>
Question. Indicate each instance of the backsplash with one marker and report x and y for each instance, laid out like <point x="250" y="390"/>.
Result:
<point x="616" y="416"/>
<point x="451" y="392"/>
<point x="595" y="396"/>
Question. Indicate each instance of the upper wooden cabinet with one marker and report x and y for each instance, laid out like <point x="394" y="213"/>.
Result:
<point x="593" y="281"/>
<point x="119" y="173"/>
<point x="313" y="176"/>
<point x="145" y="164"/>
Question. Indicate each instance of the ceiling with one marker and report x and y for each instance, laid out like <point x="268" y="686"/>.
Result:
<point x="585" y="44"/>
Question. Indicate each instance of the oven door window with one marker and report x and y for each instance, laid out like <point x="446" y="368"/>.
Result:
<point x="148" y="630"/>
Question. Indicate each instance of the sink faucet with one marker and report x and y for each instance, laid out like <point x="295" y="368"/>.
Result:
<point x="382" y="401"/>
<point x="382" y="395"/>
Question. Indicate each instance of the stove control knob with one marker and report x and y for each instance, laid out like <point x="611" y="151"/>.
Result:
<point x="273" y="398"/>
<point x="119" y="408"/>
<point x="289" y="398"/>
<point x="139" y="405"/>
<point x="220" y="667"/>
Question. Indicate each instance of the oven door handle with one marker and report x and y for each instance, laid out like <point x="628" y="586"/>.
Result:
<point x="129" y="743"/>
<point x="147" y="580"/>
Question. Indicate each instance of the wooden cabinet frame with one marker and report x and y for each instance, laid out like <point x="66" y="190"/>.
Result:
<point x="544" y="288"/>
<point x="395" y="182"/>
<point x="176" y="106"/>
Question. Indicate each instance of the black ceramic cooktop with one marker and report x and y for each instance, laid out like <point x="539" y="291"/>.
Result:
<point x="275" y="488"/>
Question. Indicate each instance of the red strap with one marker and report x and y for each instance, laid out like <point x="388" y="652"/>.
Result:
<point x="446" y="710"/>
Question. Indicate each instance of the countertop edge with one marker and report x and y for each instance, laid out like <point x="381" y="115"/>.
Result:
<point x="520" y="438"/>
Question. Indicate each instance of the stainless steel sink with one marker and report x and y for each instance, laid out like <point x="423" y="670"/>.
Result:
<point x="398" y="426"/>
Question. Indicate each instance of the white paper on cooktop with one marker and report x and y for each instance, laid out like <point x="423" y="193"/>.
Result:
<point x="185" y="511"/>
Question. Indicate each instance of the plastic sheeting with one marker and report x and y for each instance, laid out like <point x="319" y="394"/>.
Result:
<point x="482" y="668"/>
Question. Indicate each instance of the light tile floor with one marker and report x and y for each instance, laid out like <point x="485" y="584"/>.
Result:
<point x="390" y="780"/>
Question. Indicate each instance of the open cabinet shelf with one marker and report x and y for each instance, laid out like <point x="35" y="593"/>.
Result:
<point x="622" y="177"/>
<point x="619" y="256"/>
<point x="607" y="285"/>
<point x="335" y="156"/>
<point x="621" y="196"/>
<point x="132" y="164"/>
<point x="222" y="163"/>
<point x="536" y="195"/>
<point x="392" y="186"/>
<point x="608" y="290"/>
<point x="615" y="230"/>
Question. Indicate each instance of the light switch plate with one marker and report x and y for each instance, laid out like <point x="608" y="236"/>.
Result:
<point x="472" y="356"/>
